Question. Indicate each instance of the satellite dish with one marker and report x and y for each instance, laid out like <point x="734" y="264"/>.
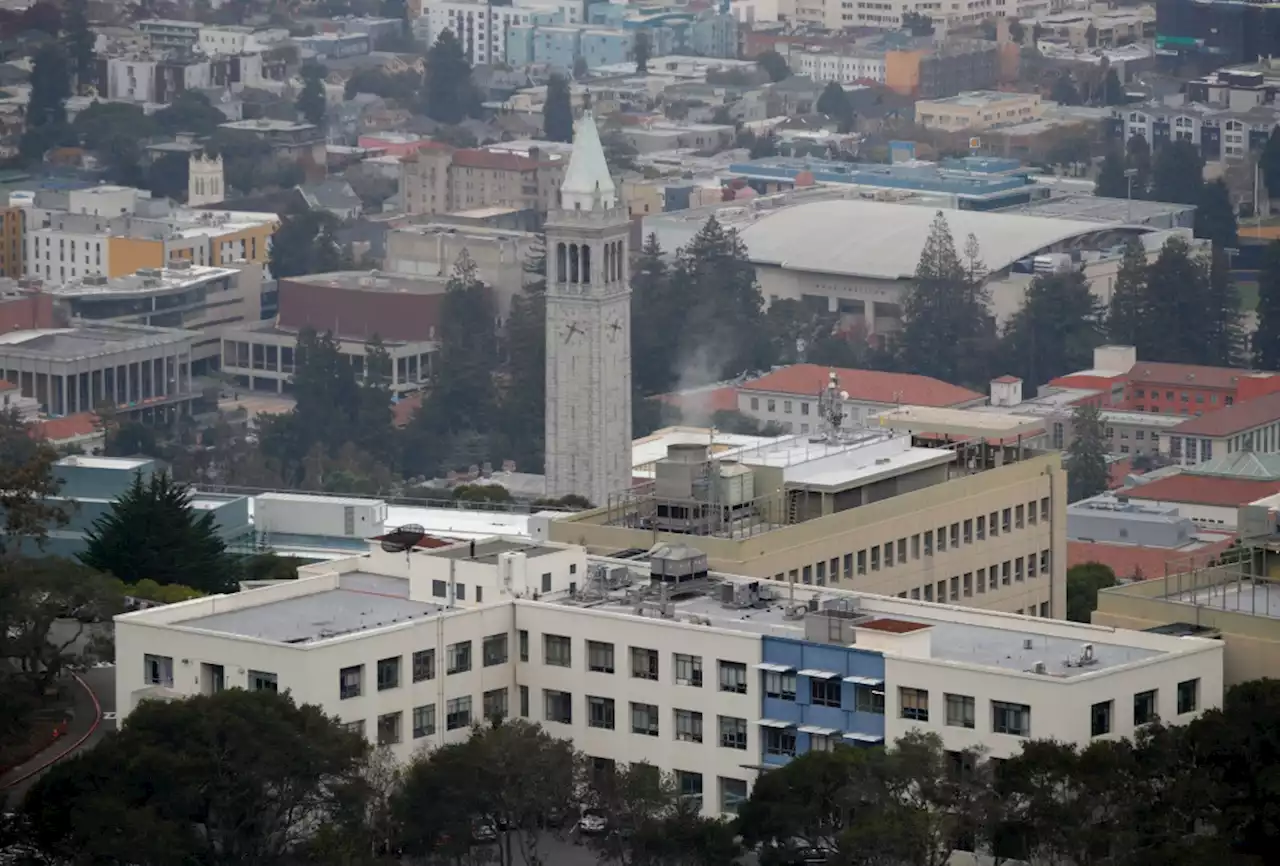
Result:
<point x="404" y="538"/>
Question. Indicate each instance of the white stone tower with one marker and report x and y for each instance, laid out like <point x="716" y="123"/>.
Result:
<point x="588" y="426"/>
<point x="204" y="180"/>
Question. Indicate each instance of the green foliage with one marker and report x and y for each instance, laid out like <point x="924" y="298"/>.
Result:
<point x="270" y="566"/>
<point x="306" y="243"/>
<point x="1016" y="31"/>
<point x="311" y="101"/>
<point x="1112" y="89"/>
<point x="448" y="92"/>
<point x="557" y="112"/>
<point x="643" y="48"/>
<point x="774" y="65"/>
<point x="481" y="493"/>
<point x="149" y="590"/>
<point x="1111" y="181"/>
<point x="115" y="131"/>
<point x="523" y="404"/>
<point x="1138" y="158"/>
<point x="1215" y="217"/>
<point x="1083" y="583"/>
<point x="917" y="24"/>
<point x="152" y="531"/>
<point x="1087" y="454"/>
<point x="191" y="111"/>
<point x="834" y="102"/>
<point x="1269" y="163"/>
<point x="1178" y="174"/>
<point x="237" y="777"/>
<point x="1055" y="331"/>
<point x="1064" y="91"/>
<point x="403" y="87"/>
<point x="46" y="106"/>
<point x="1266" y="339"/>
<point x="80" y="41"/>
<point x="947" y="305"/>
<point x="1126" y="317"/>
<point x="28" y="486"/>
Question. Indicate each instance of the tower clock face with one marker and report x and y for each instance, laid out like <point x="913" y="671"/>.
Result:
<point x="571" y="330"/>
<point x="615" y="330"/>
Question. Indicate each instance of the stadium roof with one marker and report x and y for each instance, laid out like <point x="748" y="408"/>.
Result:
<point x="883" y="241"/>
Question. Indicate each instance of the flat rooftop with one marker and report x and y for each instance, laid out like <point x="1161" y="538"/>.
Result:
<point x="1094" y="209"/>
<point x="86" y="340"/>
<point x="153" y="281"/>
<point x="857" y="456"/>
<point x="377" y="281"/>
<point x="960" y="422"/>
<point x="362" y="602"/>
<point x="1252" y="597"/>
<point x="489" y="550"/>
<point x="121" y="464"/>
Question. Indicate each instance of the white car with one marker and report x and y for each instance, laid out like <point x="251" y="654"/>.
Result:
<point x="592" y="822"/>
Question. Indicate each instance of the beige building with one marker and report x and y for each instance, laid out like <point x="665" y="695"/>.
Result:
<point x="440" y="181"/>
<point x="978" y="110"/>
<point x="432" y="250"/>
<point x="979" y="526"/>
<point x="643" y="196"/>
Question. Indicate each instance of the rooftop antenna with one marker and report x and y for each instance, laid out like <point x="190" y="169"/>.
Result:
<point x="831" y="407"/>
<point x="403" y="539"/>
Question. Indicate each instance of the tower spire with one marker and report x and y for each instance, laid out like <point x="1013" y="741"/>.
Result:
<point x="587" y="183"/>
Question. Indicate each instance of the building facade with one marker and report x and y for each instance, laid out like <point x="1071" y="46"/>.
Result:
<point x="434" y="181"/>
<point x="588" y="330"/>
<point x="978" y="110"/>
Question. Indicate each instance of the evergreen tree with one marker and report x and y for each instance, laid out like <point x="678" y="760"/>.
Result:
<point x="1112" y="89"/>
<point x="311" y="101"/>
<point x="1087" y="473"/>
<point x="524" y="396"/>
<point x="656" y="311"/>
<point x="1175" y="306"/>
<point x="1269" y="163"/>
<point x="774" y="65"/>
<point x="643" y="48"/>
<point x="153" y="532"/>
<point x="1064" y="91"/>
<point x="557" y="111"/>
<point x="1215" y="218"/>
<point x="46" y="106"/>
<point x="307" y="243"/>
<point x="1138" y="156"/>
<point x="1178" y="175"/>
<point x="945" y="307"/>
<point x="447" y="88"/>
<point x="1266" y="340"/>
<point x="80" y="41"/>
<point x="1222" y="332"/>
<point x="1111" y="181"/>
<point x="1056" y="331"/>
<point x="1091" y="36"/>
<point x="834" y="103"/>
<point x="1126" y="317"/>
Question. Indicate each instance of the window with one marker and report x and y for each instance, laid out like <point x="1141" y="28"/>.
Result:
<point x="262" y="681"/>
<point x="438" y="589"/>
<point x="546" y="581"/>
<point x="771" y="406"/>
<point x="955" y="535"/>
<point x="868" y="699"/>
<point x="1044" y="510"/>
<point x="644" y="663"/>
<point x="1144" y="707"/>
<point x="600" y="712"/>
<point x="158" y="670"/>
<point x="928" y="543"/>
<point x="600" y="657"/>
<point x="733" y="677"/>
<point x="786" y="407"/>
<point x="914" y="704"/>
<point x="993" y="525"/>
<point x="424" y="665"/>
<point x="780" y="741"/>
<point x="458" y="657"/>
<point x="557" y="650"/>
<point x="688" y="726"/>
<point x="356" y="727"/>
<point x="523" y="637"/>
<point x="1017" y="516"/>
<point x="524" y="701"/>
<point x="558" y="707"/>
<point x="688" y="670"/>
<point x="644" y="719"/>
<point x="350" y="682"/>
<point x="733" y="733"/>
<point x="389" y="729"/>
<point x="388" y="673"/>
<point x="981" y="527"/>
<point x="888" y="554"/>
<point x="457" y="713"/>
<point x="848" y="566"/>
<point x="494" y="650"/>
<point x="862" y="562"/>
<point x="960" y="711"/>
<point x="755" y="403"/>
<point x="424" y="721"/>
<point x="824" y="693"/>
<point x="1100" y="718"/>
<point x="968" y="531"/>
<point x="1188" y="696"/>
<point x="733" y="793"/>
<point x="689" y="786"/>
<point x="1014" y="719"/>
<point x="494" y="704"/>
<point x="780" y="685"/>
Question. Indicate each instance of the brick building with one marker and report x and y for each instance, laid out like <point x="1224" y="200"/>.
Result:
<point x="439" y="180"/>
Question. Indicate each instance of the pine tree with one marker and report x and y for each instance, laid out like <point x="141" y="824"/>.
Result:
<point x="643" y="48"/>
<point x="1055" y="331"/>
<point x="1138" y="157"/>
<point x="80" y="41"/>
<point x="1266" y="340"/>
<point x="1111" y="181"/>
<point x="945" y="307"/>
<point x="834" y="102"/>
<point x="1221" y="327"/>
<point x="1087" y="473"/>
<point x="1215" y="218"/>
<point x="524" y="396"/>
<point x="464" y="396"/>
<point x="1269" y="163"/>
<point x="311" y="101"/>
<point x="46" y="106"/>
<point x="1178" y="175"/>
<point x="447" y="88"/>
<point x="557" y="111"/>
<point x="1126" y="317"/>
<point x="656" y="321"/>
<point x="153" y="532"/>
<point x="1112" y="89"/>
<point x="1175" y="306"/>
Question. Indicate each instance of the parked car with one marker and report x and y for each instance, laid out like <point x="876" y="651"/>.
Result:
<point x="483" y="831"/>
<point x="593" y="822"/>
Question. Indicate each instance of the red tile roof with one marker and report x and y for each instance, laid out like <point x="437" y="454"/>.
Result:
<point x="705" y="401"/>
<point x="1233" y="419"/>
<point x="492" y="160"/>
<point x="1185" y="375"/>
<point x="1006" y="380"/>
<point x="870" y="386"/>
<point x="893" y="626"/>
<point x="1134" y="561"/>
<point x="62" y="429"/>
<point x="1204" y="490"/>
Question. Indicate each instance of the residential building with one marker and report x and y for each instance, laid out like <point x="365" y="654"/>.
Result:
<point x="166" y="34"/>
<point x="401" y="310"/>
<point x="714" y="685"/>
<point x="659" y="136"/>
<point x="138" y="369"/>
<point x="978" y="110"/>
<point x="482" y="29"/>
<point x="154" y="77"/>
<point x="1220" y="133"/>
<point x="439" y="181"/>
<point x="850" y="67"/>
<point x="791" y="396"/>
<point x="13" y="224"/>
<point x="335" y="46"/>
<point x="945" y="69"/>
<point x="238" y="39"/>
<point x="1110" y="27"/>
<point x="291" y="139"/>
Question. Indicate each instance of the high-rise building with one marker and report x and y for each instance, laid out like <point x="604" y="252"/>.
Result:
<point x="588" y="420"/>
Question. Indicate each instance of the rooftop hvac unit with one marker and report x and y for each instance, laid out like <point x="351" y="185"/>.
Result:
<point x="1053" y="263"/>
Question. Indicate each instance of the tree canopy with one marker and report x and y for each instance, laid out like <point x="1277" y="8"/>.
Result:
<point x="557" y="111"/>
<point x="448" y="94"/>
<point x="1056" y="330"/>
<point x="1086" y="454"/>
<point x="774" y="65"/>
<point x="311" y="102"/>
<point x="1266" y="339"/>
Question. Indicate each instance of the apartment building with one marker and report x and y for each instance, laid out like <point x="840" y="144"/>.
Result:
<point x="439" y="181"/>
<point x="168" y="33"/>
<point x="13" y="223"/>
<point x="713" y="678"/>
<point x="978" y="110"/>
<point x="239" y="39"/>
<point x="841" y="67"/>
<point x="482" y="29"/>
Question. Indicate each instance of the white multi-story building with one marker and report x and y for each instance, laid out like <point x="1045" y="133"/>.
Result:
<point x="233" y="39"/>
<point x="482" y="28"/>
<point x="887" y="14"/>
<point x="826" y="66"/>
<point x="732" y="676"/>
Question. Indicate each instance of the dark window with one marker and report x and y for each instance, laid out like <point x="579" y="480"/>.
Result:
<point x="824" y="693"/>
<point x="1100" y="718"/>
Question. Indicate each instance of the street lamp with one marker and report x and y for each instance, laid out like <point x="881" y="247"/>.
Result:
<point x="1129" y="175"/>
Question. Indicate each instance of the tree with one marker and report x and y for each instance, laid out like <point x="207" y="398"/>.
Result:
<point x="114" y="131"/>
<point x="774" y="65"/>
<point x="946" y="305"/>
<point x="1222" y="332"/>
<point x="1111" y="181"/>
<point x="1177" y="295"/>
<point x="305" y="243"/>
<point x="1112" y="89"/>
<point x="234" y="777"/>
<point x="46" y="105"/>
<point x="580" y="69"/>
<point x="655" y="321"/>
<point x="80" y="41"/>
<point x="152" y="531"/>
<point x="1178" y="174"/>
<point x="311" y="101"/>
<point x="557" y="111"/>
<point x="1266" y="339"/>
<point x="1087" y="473"/>
<point x="1083" y="583"/>
<point x="447" y="88"/>
<point x="523" y="405"/>
<point x="917" y="24"/>
<point x="191" y="111"/>
<point x="1091" y="36"/>
<point x="1016" y="31"/>
<point x="28" y="487"/>
<point x="1269" y="163"/>
<point x="643" y="47"/>
<point x="834" y="103"/>
<point x="1064" y="90"/>
<point x="1215" y="218"/>
<point x="1126" y="316"/>
<point x="1138" y="156"/>
<point x="1056" y="330"/>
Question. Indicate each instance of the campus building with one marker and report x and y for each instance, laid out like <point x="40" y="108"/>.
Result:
<point x="710" y="677"/>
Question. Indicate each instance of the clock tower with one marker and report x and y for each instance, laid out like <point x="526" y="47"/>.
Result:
<point x="588" y="411"/>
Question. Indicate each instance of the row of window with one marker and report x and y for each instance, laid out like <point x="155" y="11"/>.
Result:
<point x="1009" y="572"/>
<point x="686" y="669"/>
<point x="493" y="651"/>
<point x="1183" y="396"/>
<point x="824" y="692"/>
